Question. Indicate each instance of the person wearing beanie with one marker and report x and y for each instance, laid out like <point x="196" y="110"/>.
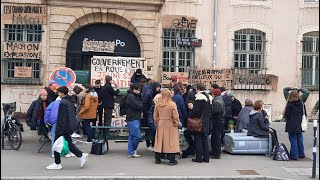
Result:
<point x="236" y="105"/>
<point x="217" y="122"/>
<point x="108" y="94"/>
<point x="35" y="113"/>
<point x="137" y="76"/>
<point x="66" y="124"/>
<point x="243" y="116"/>
<point x="52" y="91"/>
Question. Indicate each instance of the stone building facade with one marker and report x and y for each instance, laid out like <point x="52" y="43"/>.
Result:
<point x="157" y="26"/>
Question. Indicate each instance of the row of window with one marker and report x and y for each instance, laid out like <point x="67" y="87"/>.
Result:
<point x="249" y="52"/>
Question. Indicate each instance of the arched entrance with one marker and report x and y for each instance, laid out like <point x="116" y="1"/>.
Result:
<point x="100" y="39"/>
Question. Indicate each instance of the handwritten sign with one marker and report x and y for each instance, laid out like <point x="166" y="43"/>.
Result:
<point x="179" y="22"/>
<point x="222" y="77"/>
<point x="181" y="76"/>
<point x="21" y="71"/>
<point x="63" y="76"/>
<point x="243" y="80"/>
<point x="119" y="68"/>
<point x="22" y="50"/>
<point x="24" y="13"/>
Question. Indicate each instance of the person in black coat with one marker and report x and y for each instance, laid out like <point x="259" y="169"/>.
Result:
<point x="257" y="126"/>
<point x="35" y="113"/>
<point x="188" y="135"/>
<point x="201" y="109"/>
<point x="137" y="76"/>
<point x="133" y="118"/>
<point x="66" y="125"/>
<point x="97" y="88"/>
<point x="293" y="115"/>
<point x="108" y="94"/>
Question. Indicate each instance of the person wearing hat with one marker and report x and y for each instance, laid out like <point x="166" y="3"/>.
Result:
<point x="243" y="116"/>
<point x="65" y="126"/>
<point x="108" y="94"/>
<point x="97" y="88"/>
<point x="35" y="113"/>
<point x="218" y="113"/>
<point x="236" y="105"/>
<point x="51" y="90"/>
<point x="137" y="76"/>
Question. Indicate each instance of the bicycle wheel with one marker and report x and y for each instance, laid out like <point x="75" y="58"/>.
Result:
<point x="14" y="137"/>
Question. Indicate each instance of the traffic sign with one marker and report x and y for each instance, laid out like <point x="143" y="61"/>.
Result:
<point x="63" y="76"/>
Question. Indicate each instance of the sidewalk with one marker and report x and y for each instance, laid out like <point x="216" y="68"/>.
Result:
<point x="28" y="164"/>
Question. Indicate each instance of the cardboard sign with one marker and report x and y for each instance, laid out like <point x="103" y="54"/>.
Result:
<point x="167" y="76"/>
<point x="120" y="69"/>
<point x="245" y="80"/>
<point x="222" y="77"/>
<point x="21" y="50"/>
<point x="25" y="13"/>
<point x="63" y="76"/>
<point x="22" y="71"/>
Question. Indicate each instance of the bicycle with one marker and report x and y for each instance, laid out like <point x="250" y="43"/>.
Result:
<point x="10" y="128"/>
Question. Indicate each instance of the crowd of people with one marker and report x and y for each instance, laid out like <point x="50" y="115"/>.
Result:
<point x="164" y="111"/>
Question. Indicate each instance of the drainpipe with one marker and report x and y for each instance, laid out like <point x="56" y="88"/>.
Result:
<point x="215" y="24"/>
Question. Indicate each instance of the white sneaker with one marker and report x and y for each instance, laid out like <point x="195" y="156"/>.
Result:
<point x="75" y="135"/>
<point x="71" y="154"/>
<point x="150" y="148"/>
<point x="52" y="155"/>
<point x="54" y="166"/>
<point x="134" y="155"/>
<point x="83" y="159"/>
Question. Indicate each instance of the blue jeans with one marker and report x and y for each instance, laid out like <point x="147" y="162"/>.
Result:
<point x="53" y="135"/>
<point x="297" y="149"/>
<point x="134" y="135"/>
<point x="88" y="129"/>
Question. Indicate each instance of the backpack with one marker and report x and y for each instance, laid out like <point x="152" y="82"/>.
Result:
<point x="123" y="106"/>
<point x="280" y="152"/>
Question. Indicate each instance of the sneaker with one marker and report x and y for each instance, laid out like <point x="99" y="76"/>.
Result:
<point x="52" y="155"/>
<point x="54" y="166"/>
<point x="150" y="148"/>
<point x="71" y="154"/>
<point x="67" y="155"/>
<point x="134" y="156"/>
<point x="83" y="159"/>
<point x="75" y="135"/>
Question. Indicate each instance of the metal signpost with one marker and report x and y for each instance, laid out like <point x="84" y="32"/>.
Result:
<point x="315" y="134"/>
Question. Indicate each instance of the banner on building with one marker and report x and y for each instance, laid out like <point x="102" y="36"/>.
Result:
<point x="120" y="69"/>
<point x="179" y="22"/>
<point x="22" y="72"/>
<point x="181" y="76"/>
<point x="24" y="13"/>
<point x="222" y="77"/>
<point x="21" y="50"/>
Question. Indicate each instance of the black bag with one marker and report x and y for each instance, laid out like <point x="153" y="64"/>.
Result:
<point x="99" y="147"/>
<point x="280" y="152"/>
<point x="123" y="106"/>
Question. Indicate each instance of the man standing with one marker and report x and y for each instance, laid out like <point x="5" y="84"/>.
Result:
<point x="51" y="90"/>
<point x="97" y="89"/>
<point x="137" y="76"/>
<point x="134" y="110"/>
<point x="108" y="94"/>
<point x="66" y="124"/>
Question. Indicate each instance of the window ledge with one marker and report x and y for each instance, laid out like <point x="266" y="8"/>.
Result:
<point x="304" y="4"/>
<point x="263" y="3"/>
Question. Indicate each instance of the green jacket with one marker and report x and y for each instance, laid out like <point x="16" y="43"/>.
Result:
<point x="303" y="97"/>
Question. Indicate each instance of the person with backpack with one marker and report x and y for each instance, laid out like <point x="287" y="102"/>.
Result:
<point x="66" y="125"/>
<point x="293" y="115"/>
<point x="201" y="110"/>
<point x="217" y="121"/>
<point x="134" y="110"/>
<point x="88" y="112"/>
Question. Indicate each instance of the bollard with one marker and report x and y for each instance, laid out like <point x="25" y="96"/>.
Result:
<point x="314" y="150"/>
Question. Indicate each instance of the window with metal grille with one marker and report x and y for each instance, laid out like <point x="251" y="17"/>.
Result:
<point x="176" y="58"/>
<point x="310" y="61"/>
<point x="31" y="33"/>
<point x="249" y="49"/>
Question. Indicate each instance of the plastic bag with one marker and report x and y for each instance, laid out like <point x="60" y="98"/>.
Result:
<point x="61" y="146"/>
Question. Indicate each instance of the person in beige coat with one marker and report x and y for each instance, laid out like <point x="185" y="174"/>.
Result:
<point x="166" y="118"/>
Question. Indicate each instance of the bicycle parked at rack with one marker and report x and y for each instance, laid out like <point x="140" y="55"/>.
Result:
<point x="11" y="127"/>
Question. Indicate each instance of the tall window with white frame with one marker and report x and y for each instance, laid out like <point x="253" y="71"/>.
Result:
<point x="310" y="61"/>
<point x="176" y="58"/>
<point x="16" y="37"/>
<point x="249" y="49"/>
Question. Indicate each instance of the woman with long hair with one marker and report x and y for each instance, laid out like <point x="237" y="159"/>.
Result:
<point x="166" y="118"/>
<point x="293" y="115"/>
